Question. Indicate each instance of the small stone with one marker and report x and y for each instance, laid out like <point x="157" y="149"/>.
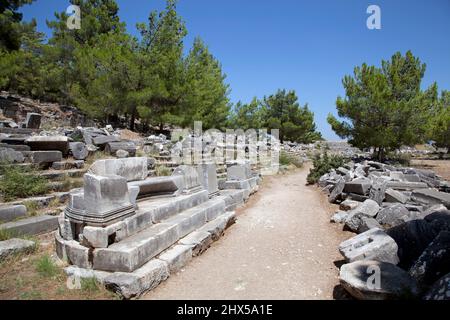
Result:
<point x="122" y="154"/>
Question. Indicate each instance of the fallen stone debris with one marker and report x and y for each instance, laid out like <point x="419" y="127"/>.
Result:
<point x="402" y="218"/>
<point x="131" y="231"/>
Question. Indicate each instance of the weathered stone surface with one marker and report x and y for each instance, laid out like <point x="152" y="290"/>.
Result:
<point x="359" y="186"/>
<point x="339" y="217"/>
<point x="239" y="172"/>
<point x="132" y="169"/>
<point x="368" y="223"/>
<point x="190" y="177"/>
<point x="42" y="157"/>
<point x="337" y="190"/>
<point x="77" y="254"/>
<point x="122" y="154"/>
<point x="207" y="173"/>
<point x="434" y="262"/>
<point x="156" y="186"/>
<point x="215" y="227"/>
<point x="393" y="215"/>
<point x="95" y="237"/>
<point x="15" y="246"/>
<point x="177" y="257"/>
<point x="398" y="185"/>
<point x="15" y="147"/>
<point x="377" y="192"/>
<point x="199" y="240"/>
<point x="12" y="212"/>
<point x="130" y="285"/>
<point x="49" y="143"/>
<point x="349" y="205"/>
<point x="102" y="140"/>
<point x="373" y="244"/>
<point x="33" y="120"/>
<point x="31" y="226"/>
<point x="128" y="146"/>
<point x="359" y="279"/>
<point x="79" y="150"/>
<point x="8" y="155"/>
<point x="368" y="208"/>
<point x="106" y="200"/>
<point x="431" y="197"/>
<point x="392" y="195"/>
<point x="440" y="290"/>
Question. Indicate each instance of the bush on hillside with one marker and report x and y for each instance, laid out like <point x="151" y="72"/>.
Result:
<point x="323" y="164"/>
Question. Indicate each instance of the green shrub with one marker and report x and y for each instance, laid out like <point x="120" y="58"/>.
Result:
<point x="161" y="171"/>
<point x="323" y="164"/>
<point x="46" y="267"/>
<point x="287" y="159"/>
<point x="32" y="207"/>
<point x="17" y="182"/>
<point x="90" y="285"/>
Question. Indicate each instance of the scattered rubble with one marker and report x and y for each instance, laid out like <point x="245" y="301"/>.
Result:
<point x="403" y="221"/>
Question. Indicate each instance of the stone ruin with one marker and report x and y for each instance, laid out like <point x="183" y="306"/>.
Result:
<point x="131" y="231"/>
<point x="402" y="218"/>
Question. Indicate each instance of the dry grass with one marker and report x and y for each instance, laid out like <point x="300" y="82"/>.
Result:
<point x="441" y="167"/>
<point x="40" y="276"/>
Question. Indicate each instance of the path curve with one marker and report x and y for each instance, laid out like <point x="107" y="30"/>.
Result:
<point x="282" y="247"/>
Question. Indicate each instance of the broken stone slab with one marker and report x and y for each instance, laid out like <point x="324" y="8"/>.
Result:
<point x="177" y="257"/>
<point x="368" y="223"/>
<point x="216" y="227"/>
<point x="31" y="226"/>
<point x="15" y="246"/>
<point x="348" y="204"/>
<point x="146" y="278"/>
<point x="337" y="190"/>
<point x="122" y="154"/>
<point x="199" y="240"/>
<point x="15" y="147"/>
<point x="368" y="208"/>
<point x="77" y="273"/>
<point x="359" y="186"/>
<point x="103" y="140"/>
<point x="8" y="155"/>
<point x="68" y="165"/>
<point x="12" y="212"/>
<point x="14" y="140"/>
<point x="342" y="171"/>
<point x="397" y="176"/>
<point x="45" y="157"/>
<point x="434" y="262"/>
<point x="440" y="290"/>
<point x="393" y="215"/>
<point x="207" y="173"/>
<point x="377" y="192"/>
<point x="190" y="176"/>
<point x="128" y="146"/>
<point x="412" y="177"/>
<point x="49" y="143"/>
<point x="132" y="169"/>
<point x="431" y="197"/>
<point x="157" y="186"/>
<point x="357" y="197"/>
<point x="373" y="244"/>
<point x="33" y="120"/>
<point x="241" y="171"/>
<point x="398" y="185"/>
<point x="392" y="195"/>
<point x="339" y="217"/>
<point x="376" y="280"/>
<point x="77" y="254"/>
<point x="79" y="150"/>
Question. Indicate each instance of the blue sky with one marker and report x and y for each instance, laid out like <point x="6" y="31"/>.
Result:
<point x="307" y="46"/>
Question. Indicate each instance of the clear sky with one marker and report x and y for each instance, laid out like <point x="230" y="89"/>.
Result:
<point x="307" y="46"/>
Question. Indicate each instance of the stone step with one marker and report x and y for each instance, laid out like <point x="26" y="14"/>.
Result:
<point x="62" y="174"/>
<point x="133" y="252"/>
<point x="68" y="164"/>
<point x="31" y="226"/>
<point x="43" y="201"/>
<point x="133" y="284"/>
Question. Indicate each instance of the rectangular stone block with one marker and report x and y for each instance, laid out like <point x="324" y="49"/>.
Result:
<point x="12" y="212"/>
<point x="32" y="226"/>
<point x="177" y="257"/>
<point x="132" y="169"/>
<point x="40" y="157"/>
<point x="49" y="143"/>
<point x="15" y="246"/>
<point x="373" y="244"/>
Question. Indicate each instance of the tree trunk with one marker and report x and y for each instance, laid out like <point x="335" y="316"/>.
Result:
<point x="381" y="154"/>
<point x="132" y="119"/>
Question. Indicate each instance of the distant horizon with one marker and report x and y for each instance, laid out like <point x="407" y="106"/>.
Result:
<point x="261" y="44"/>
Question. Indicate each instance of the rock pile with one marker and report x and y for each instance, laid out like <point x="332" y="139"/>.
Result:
<point x="403" y="220"/>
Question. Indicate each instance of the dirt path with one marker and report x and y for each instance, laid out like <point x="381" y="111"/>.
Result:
<point x="282" y="247"/>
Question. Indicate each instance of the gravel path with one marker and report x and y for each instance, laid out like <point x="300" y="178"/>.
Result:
<point x="282" y="247"/>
